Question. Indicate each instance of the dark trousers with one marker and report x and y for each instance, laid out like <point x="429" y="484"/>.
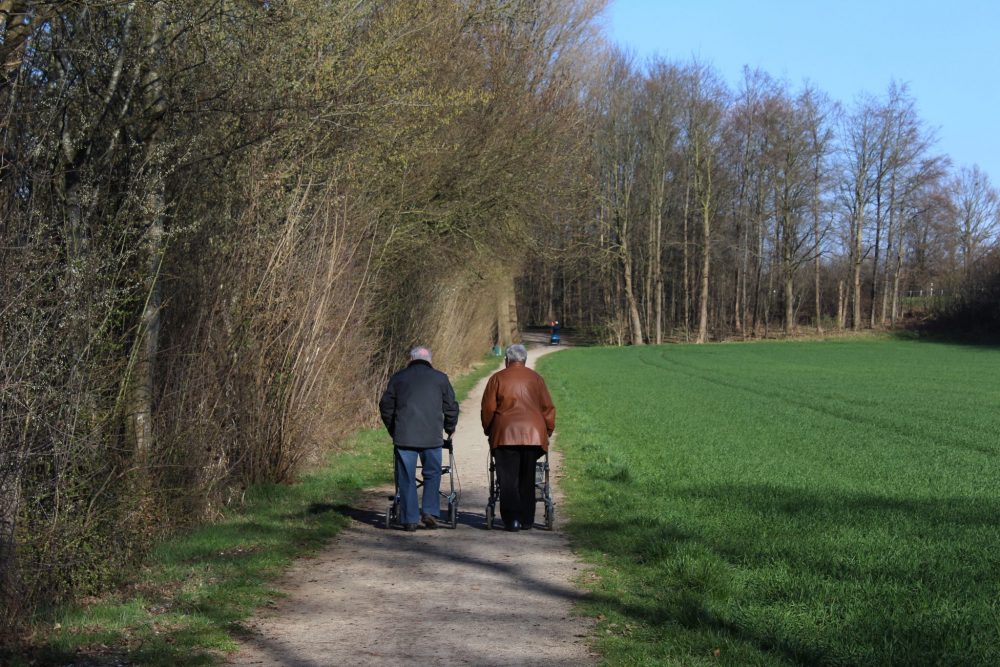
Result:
<point x="515" y="467"/>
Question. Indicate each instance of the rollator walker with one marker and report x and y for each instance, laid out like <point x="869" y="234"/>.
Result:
<point x="543" y="491"/>
<point x="451" y="496"/>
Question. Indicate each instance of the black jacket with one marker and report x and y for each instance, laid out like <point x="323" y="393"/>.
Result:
<point x="417" y="405"/>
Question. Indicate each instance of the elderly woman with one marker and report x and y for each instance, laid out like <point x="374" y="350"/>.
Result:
<point x="518" y="416"/>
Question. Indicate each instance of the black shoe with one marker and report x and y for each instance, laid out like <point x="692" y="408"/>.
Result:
<point x="527" y="526"/>
<point x="410" y="527"/>
<point x="429" y="521"/>
<point x="514" y="526"/>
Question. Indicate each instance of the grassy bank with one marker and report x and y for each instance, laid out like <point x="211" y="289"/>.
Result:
<point x="786" y="503"/>
<point x="188" y="604"/>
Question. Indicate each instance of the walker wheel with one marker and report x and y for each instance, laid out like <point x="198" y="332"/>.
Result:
<point x="489" y="517"/>
<point x="388" y="516"/>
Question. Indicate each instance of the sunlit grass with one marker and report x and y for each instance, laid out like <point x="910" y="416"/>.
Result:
<point x="786" y="503"/>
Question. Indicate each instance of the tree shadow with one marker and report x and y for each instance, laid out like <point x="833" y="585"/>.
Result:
<point x="984" y="339"/>
<point x="376" y="518"/>
<point x="323" y="508"/>
<point x="875" y="579"/>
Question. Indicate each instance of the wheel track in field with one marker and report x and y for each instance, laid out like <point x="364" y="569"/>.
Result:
<point x="847" y="409"/>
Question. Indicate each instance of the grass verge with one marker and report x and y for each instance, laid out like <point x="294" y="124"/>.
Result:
<point x="486" y="366"/>
<point x="786" y="503"/>
<point x="188" y="604"/>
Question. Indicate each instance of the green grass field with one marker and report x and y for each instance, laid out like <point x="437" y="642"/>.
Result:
<point x="827" y="503"/>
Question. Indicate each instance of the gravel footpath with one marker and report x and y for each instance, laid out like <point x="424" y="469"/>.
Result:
<point x="467" y="596"/>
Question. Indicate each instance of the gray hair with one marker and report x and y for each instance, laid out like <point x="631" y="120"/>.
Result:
<point x="420" y="352"/>
<point x="517" y="352"/>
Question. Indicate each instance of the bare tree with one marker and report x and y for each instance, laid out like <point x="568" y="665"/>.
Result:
<point x="820" y="114"/>
<point x="748" y="155"/>
<point x="861" y="132"/>
<point x="660" y="106"/>
<point x="704" y="97"/>
<point x="792" y="125"/>
<point x="619" y="148"/>
<point x="977" y="211"/>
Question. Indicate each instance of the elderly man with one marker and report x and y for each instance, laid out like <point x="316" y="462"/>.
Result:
<point x="518" y="416"/>
<point x="418" y="404"/>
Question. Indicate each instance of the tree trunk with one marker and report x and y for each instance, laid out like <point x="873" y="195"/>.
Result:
<point x="659" y="310"/>
<point x="737" y="320"/>
<point x="10" y="505"/>
<point x="146" y="347"/>
<point x="817" y="265"/>
<point x="789" y="304"/>
<point x="706" y="239"/>
<point x="890" y="239"/>
<point x="856" y="260"/>
<point x="873" y="293"/>
<point x="657" y="262"/>
<point x="550" y="290"/>
<point x="633" y="306"/>
<point x="649" y="281"/>
<point x="841" y="310"/>
<point x="739" y="277"/>
<point x="686" y="279"/>
<point x="884" y="318"/>
<point x="787" y="273"/>
<point x="673" y="305"/>
<point x="818" y="304"/>
<point x="772" y="276"/>
<point x="143" y="371"/>
<point x="895" y="288"/>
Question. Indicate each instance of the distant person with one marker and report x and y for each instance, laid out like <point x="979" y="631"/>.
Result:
<point x="554" y="337"/>
<point x="518" y="416"/>
<point x="417" y="405"/>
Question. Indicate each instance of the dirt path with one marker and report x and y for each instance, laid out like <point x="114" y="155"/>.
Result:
<point x="467" y="596"/>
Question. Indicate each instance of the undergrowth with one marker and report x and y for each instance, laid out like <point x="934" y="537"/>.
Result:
<point x="189" y="602"/>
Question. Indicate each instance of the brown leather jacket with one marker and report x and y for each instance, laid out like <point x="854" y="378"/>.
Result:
<point x="517" y="408"/>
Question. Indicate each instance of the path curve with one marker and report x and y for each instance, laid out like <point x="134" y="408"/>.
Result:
<point x="467" y="596"/>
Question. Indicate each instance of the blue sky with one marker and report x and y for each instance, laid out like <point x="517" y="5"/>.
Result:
<point x="948" y="52"/>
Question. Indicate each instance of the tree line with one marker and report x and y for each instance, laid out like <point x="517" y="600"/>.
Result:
<point x="713" y="212"/>
<point x="223" y="223"/>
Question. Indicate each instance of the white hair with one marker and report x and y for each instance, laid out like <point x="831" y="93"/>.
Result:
<point x="420" y="352"/>
<point x="517" y="352"/>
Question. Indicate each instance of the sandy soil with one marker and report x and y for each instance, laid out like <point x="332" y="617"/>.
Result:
<point x="467" y="596"/>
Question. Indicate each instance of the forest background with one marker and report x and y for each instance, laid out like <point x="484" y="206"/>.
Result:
<point x="223" y="223"/>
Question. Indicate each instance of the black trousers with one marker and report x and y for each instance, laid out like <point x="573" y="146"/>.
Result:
<point x="515" y="467"/>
